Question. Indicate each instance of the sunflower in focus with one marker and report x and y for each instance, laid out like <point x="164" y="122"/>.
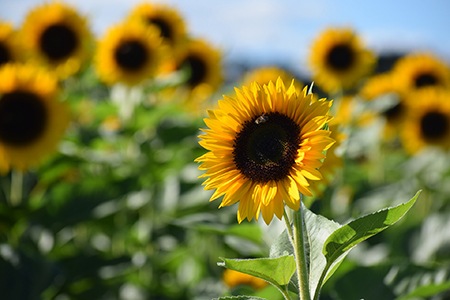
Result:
<point x="339" y="60"/>
<point x="263" y="75"/>
<point x="168" y="20"/>
<point x="420" y="70"/>
<point x="32" y="120"/>
<point x="9" y="48"/>
<point x="264" y="146"/>
<point x="428" y="121"/>
<point x="58" y="37"/>
<point x="129" y="53"/>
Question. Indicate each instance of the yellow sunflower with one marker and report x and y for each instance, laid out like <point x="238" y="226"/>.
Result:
<point x="384" y="85"/>
<point x="203" y="63"/>
<point x="58" y="37"/>
<point x="418" y="70"/>
<point x="264" y="145"/>
<point x="264" y="74"/>
<point x="339" y="60"/>
<point x="129" y="53"/>
<point x="9" y="48"/>
<point x="167" y="19"/>
<point x="32" y="120"/>
<point x="428" y="120"/>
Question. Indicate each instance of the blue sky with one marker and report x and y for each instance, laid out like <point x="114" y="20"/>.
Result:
<point x="282" y="30"/>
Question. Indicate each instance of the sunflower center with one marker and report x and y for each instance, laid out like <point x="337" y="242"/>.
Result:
<point x="58" y="41"/>
<point x="266" y="147"/>
<point x="434" y="125"/>
<point x="131" y="55"/>
<point x="425" y="79"/>
<point x="166" y="29"/>
<point x="197" y="68"/>
<point x="340" y="57"/>
<point x="23" y="118"/>
<point x="4" y="54"/>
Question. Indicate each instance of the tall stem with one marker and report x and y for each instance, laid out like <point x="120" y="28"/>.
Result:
<point x="300" y="255"/>
<point x="297" y="238"/>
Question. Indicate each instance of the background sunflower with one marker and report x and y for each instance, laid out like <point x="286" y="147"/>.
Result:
<point x="32" y="118"/>
<point x="128" y="53"/>
<point x="167" y="19"/>
<point x="428" y="120"/>
<point x="58" y="37"/>
<point x="339" y="60"/>
<point x="9" y="47"/>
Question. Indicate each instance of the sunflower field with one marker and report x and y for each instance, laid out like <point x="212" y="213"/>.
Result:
<point x="116" y="152"/>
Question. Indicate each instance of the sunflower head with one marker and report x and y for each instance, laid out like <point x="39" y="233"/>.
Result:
<point x="129" y="53"/>
<point x="421" y="70"/>
<point x="9" y="47"/>
<point x="264" y="146"/>
<point x="234" y="279"/>
<point x="339" y="60"/>
<point x="167" y="19"/>
<point x="31" y="118"/>
<point x="202" y="63"/>
<point x="428" y="120"/>
<point x="58" y="37"/>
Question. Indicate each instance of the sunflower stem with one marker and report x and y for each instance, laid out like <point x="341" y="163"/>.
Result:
<point x="15" y="196"/>
<point x="300" y="255"/>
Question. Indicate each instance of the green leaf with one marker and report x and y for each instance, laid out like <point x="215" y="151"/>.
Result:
<point x="277" y="271"/>
<point x="348" y="236"/>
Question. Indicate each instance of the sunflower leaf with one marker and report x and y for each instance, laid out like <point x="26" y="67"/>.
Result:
<point x="278" y="271"/>
<point x="341" y="241"/>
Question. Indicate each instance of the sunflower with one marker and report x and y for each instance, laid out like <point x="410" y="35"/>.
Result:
<point x="263" y="146"/>
<point x="264" y="74"/>
<point x="168" y="20"/>
<point x="419" y="70"/>
<point x="58" y="37"/>
<point x="32" y="120"/>
<point x="9" y="48"/>
<point x="380" y="87"/>
<point x="129" y="53"/>
<point x="428" y="121"/>
<point x="339" y="60"/>
<point x="203" y="63"/>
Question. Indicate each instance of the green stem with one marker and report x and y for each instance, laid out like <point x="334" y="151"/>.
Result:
<point x="297" y="238"/>
<point x="15" y="196"/>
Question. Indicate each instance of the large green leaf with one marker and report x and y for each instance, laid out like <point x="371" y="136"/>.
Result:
<point x="277" y="271"/>
<point x="353" y="233"/>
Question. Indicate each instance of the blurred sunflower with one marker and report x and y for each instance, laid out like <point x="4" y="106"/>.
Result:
<point x="58" y="37"/>
<point x="203" y="64"/>
<point x="129" y="53"/>
<point x="419" y="70"/>
<point x="339" y="60"/>
<point x="263" y="75"/>
<point x="379" y="87"/>
<point x="234" y="278"/>
<point x="9" y="48"/>
<point x="264" y="145"/>
<point x="32" y="120"/>
<point x="428" y="121"/>
<point x="167" y="19"/>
